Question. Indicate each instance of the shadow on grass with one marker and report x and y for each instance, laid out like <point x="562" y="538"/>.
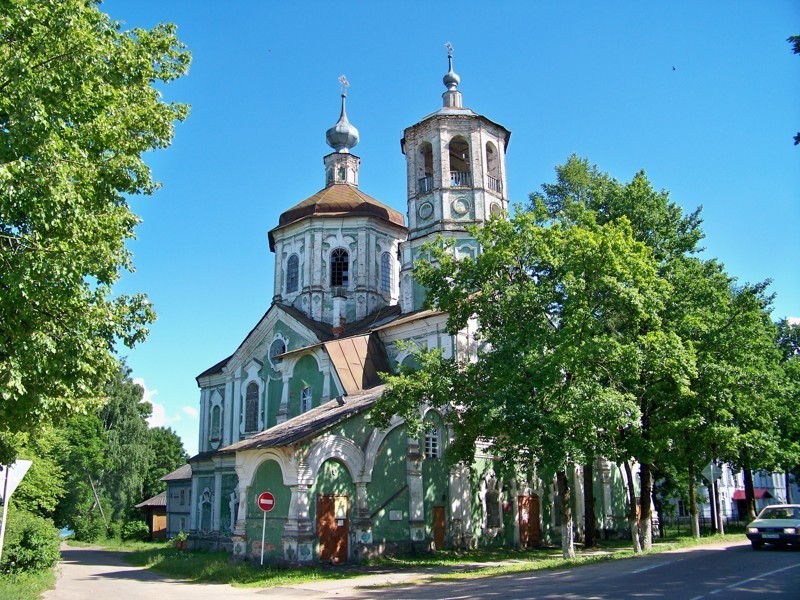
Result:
<point x="220" y="567"/>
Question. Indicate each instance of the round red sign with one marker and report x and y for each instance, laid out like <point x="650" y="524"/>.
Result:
<point x="266" y="501"/>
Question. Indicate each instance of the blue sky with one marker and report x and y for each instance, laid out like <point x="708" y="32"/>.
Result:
<point x="705" y="96"/>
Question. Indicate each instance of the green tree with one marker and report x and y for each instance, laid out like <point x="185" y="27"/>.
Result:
<point x="561" y="310"/>
<point x="124" y="421"/>
<point x="78" y="108"/>
<point x="165" y="454"/>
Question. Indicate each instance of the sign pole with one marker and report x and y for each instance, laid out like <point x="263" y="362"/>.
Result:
<point x="263" y="537"/>
<point x="5" y="509"/>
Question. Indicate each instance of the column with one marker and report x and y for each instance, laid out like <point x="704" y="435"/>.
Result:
<point x="237" y="410"/>
<point x="217" y="506"/>
<point x="283" y="411"/>
<point x="416" y="496"/>
<point x="298" y="534"/>
<point x="193" y="497"/>
<point x="362" y="524"/>
<point x="239" y="536"/>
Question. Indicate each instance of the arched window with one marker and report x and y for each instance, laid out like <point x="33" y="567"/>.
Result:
<point x="292" y="274"/>
<point x="460" y="170"/>
<point x="432" y="444"/>
<point x="305" y="400"/>
<point x="251" y="408"/>
<point x="216" y="423"/>
<point x="386" y="272"/>
<point x="340" y="267"/>
<point x="425" y="168"/>
<point x="493" y="168"/>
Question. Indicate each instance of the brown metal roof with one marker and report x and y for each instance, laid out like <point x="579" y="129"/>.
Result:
<point x="310" y="423"/>
<point x="357" y="361"/>
<point x="182" y="472"/>
<point x="337" y="200"/>
<point x="157" y="500"/>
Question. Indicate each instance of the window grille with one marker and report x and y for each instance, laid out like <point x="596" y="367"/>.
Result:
<point x="432" y="444"/>
<point x="340" y="267"/>
<point x="305" y="399"/>
<point x="292" y="274"/>
<point x="251" y="408"/>
<point x="386" y="272"/>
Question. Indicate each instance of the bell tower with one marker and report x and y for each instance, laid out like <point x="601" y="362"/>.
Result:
<point x="456" y="177"/>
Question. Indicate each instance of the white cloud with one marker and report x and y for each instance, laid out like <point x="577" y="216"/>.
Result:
<point x="793" y="320"/>
<point x="159" y="418"/>
<point x="190" y="411"/>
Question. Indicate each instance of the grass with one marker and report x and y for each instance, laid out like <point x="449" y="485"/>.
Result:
<point x="219" y="567"/>
<point x="26" y="586"/>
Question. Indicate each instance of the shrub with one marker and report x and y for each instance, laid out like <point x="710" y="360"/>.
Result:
<point x="31" y="543"/>
<point x="88" y="528"/>
<point x="114" y="530"/>
<point x="135" y="530"/>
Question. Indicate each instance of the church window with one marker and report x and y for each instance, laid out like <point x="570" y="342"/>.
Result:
<point x="305" y="399"/>
<point x="216" y="423"/>
<point x="460" y="171"/>
<point x="493" y="168"/>
<point x="432" y="444"/>
<point x="425" y="168"/>
<point x="340" y="267"/>
<point x="277" y="348"/>
<point x="292" y="274"/>
<point x="251" y="408"/>
<point x="493" y="508"/>
<point x="386" y="272"/>
<point x="205" y="510"/>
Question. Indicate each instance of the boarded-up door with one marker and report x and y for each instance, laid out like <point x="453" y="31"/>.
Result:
<point x="332" y="528"/>
<point x="530" y="533"/>
<point x="438" y="527"/>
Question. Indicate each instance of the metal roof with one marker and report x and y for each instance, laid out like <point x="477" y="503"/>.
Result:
<point x="155" y="501"/>
<point x="182" y="472"/>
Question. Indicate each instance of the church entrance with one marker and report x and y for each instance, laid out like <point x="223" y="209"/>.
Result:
<point x="438" y="527"/>
<point x="332" y="528"/>
<point x="530" y="534"/>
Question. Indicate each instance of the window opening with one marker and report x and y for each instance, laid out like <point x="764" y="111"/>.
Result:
<point x="292" y="274"/>
<point x="340" y="267"/>
<point x="305" y="399"/>
<point x="493" y="168"/>
<point x="425" y="169"/>
<point x="432" y="443"/>
<point x="386" y="272"/>
<point x="251" y="408"/>
<point x="216" y="423"/>
<point x="460" y="171"/>
<point x="277" y="348"/>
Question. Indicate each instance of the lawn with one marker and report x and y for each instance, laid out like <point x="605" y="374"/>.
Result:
<point x="26" y="586"/>
<point x="219" y="567"/>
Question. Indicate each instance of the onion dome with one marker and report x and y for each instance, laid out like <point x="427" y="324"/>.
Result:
<point x="342" y="136"/>
<point x="451" y="79"/>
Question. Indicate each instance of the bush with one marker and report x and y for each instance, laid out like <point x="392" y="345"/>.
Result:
<point x="88" y="528"/>
<point x="31" y="543"/>
<point x="114" y="530"/>
<point x="135" y="531"/>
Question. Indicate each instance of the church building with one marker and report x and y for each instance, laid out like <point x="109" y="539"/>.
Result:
<point x="289" y="467"/>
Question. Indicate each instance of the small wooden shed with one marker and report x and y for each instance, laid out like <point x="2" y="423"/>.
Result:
<point x="155" y="514"/>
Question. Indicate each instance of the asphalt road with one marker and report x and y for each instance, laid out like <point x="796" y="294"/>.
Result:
<point x="709" y="572"/>
<point x="721" y="572"/>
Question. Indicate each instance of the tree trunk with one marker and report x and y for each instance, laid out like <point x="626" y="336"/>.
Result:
<point x="632" y="516"/>
<point x="646" y="489"/>
<point x="590" y="518"/>
<point x="693" y="503"/>
<point x="718" y="508"/>
<point x="749" y="494"/>
<point x="567" y="532"/>
<point x="788" y="487"/>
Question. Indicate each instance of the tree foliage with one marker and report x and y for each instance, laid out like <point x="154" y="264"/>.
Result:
<point x="165" y="454"/>
<point x="78" y="108"/>
<point x="794" y="40"/>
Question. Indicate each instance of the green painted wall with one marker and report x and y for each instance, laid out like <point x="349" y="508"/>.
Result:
<point x="268" y="478"/>
<point x="306" y="373"/>
<point x="435" y="477"/>
<point x="388" y="476"/>
<point x="229" y="483"/>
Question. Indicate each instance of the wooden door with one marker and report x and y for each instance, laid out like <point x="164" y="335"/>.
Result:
<point x="438" y="527"/>
<point x="530" y="533"/>
<point x="332" y="528"/>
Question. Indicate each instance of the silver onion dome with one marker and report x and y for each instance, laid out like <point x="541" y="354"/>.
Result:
<point x="451" y="79"/>
<point x="342" y="136"/>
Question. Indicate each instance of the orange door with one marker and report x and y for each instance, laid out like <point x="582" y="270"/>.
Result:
<point x="438" y="527"/>
<point x="524" y="510"/>
<point x="534" y="529"/>
<point x="332" y="528"/>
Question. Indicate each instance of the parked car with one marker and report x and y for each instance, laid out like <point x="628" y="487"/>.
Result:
<point x="778" y="524"/>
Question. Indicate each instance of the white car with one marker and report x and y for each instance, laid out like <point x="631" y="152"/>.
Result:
<point x="778" y="524"/>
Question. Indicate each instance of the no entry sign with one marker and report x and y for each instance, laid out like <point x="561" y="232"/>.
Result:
<point x="266" y="501"/>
